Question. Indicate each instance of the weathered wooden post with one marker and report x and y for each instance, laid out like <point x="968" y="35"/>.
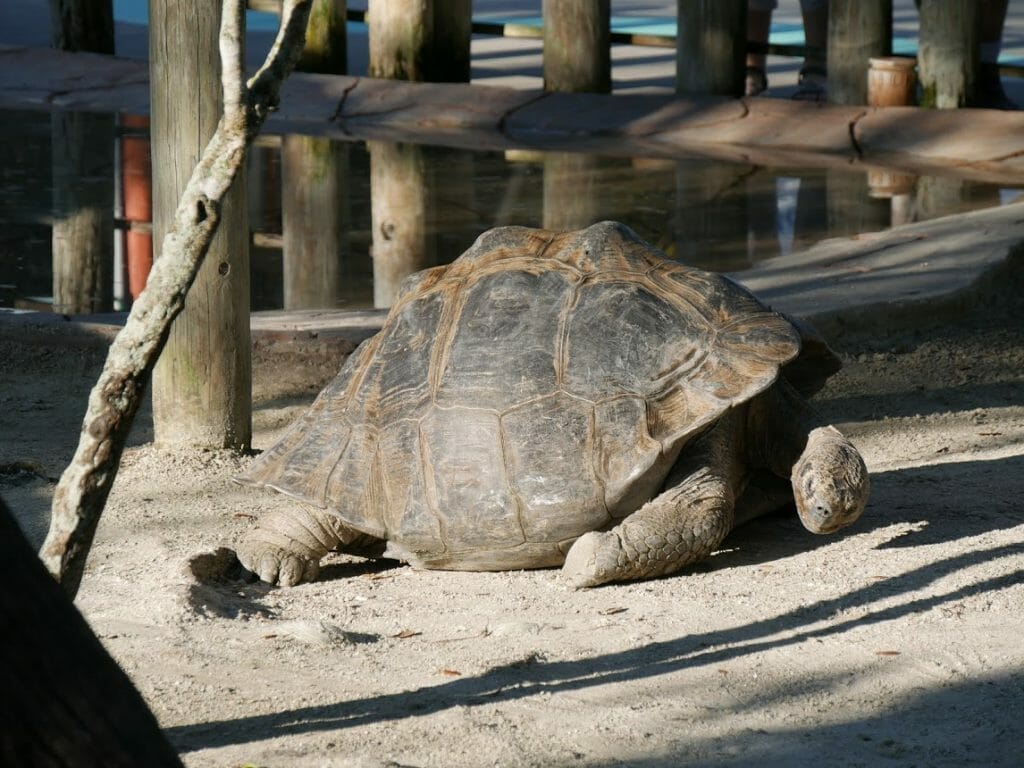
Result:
<point x="326" y="48"/>
<point x="402" y="35"/>
<point x="398" y="187"/>
<point x="82" y="25"/>
<point x="83" y="164"/>
<point x="948" y="52"/>
<point x="419" y="40"/>
<point x="313" y="186"/>
<point x="577" y="46"/>
<point x="850" y="206"/>
<point x="571" y="197"/>
<point x="709" y="221"/>
<point x="857" y="31"/>
<point x="202" y="384"/>
<point x="711" y="45"/>
<point x="83" y="211"/>
<point x="313" y="216"/>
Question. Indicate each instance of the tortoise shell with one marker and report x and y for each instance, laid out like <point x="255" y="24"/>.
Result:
<point x="538" y="387"/>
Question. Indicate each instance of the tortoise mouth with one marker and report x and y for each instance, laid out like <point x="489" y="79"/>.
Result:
<point x="823" y="517"/>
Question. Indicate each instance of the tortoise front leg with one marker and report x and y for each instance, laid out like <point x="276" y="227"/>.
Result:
<point x="682" y="525"/>
<point x="286" y="545"/>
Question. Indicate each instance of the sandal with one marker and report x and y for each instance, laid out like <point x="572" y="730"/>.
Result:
<point x="756" y="83"/>
<point x="812" y="84"/>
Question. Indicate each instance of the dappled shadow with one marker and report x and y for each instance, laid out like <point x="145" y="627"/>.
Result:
<point x="928" y="400"/>
<point x="522" y="679"/>
<point x="959" y="502"/>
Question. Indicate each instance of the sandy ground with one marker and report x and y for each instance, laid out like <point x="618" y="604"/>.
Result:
<point x="898" y="643"/>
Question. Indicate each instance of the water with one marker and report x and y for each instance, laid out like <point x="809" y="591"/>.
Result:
<point x="713" y="214"/>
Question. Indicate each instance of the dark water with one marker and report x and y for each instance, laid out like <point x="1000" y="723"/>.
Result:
<point x="717" y="215"/>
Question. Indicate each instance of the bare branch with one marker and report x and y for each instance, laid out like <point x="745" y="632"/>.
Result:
<point x="83" y="488"/>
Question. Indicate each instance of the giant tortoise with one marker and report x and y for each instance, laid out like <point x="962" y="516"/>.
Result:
<point x="548" y="399"/>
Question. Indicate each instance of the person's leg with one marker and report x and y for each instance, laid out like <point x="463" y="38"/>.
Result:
<point x="759" y="23"/>
<point x="813" y="74"/>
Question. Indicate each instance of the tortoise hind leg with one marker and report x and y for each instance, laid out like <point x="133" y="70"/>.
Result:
<point x="286" y="546"/>
<point x="682" y="525"/>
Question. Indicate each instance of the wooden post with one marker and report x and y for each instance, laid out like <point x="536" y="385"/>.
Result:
<point x="83" y="202"/>
<point x="850" y="207"/>
<point x="398" y="214"/>
<point x="712" y="225"/>
<point x="448" y="61"/>
<point x="313" y="206"/>
<point x="948" y="52"/>
<point x="82" y="25"/>
<point x="202" y="384"/>
<point x="857" y="31"/>
<point x="577" y="46"/>
<point x="571" y="196"/>
<point x="400" y="34"/>
<point x="326" y="48"/>
<point x="313" y="191"/>
<point x="420" y="40"/>
<point x="711" y="47"/>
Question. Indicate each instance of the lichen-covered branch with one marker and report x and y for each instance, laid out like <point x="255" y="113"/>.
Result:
<point x="83" y="488"/>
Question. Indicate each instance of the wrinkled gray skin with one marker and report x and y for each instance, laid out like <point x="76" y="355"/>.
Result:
<point x="551" y="399"/>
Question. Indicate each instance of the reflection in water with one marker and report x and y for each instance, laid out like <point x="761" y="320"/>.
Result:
<point x="82" y="146"/>
<point x="398" y="188"/>
<point x="314" y="205"/>
<point x="341" y="224"/>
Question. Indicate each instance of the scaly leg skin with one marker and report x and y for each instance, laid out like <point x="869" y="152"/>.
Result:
<point x="682" y="525"/>
<point x="286" y="546"/>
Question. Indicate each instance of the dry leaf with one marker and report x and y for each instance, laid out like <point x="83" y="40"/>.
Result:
<point x="887" y="653"/>
<point x="245" y="515"/>
<point x="407" y="633"/>
<point x="451" y="672"/>
<point x="612" y="611"/>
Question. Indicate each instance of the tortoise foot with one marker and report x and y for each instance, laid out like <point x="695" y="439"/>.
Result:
<point x="592" y="560"/>
<point x="277" y="566"/>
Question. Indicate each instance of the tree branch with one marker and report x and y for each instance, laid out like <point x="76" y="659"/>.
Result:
<point x="80" y="495"/>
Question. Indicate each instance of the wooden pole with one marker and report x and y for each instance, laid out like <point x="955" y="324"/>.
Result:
<point x="313" y="190"/>
<point x="400" y="32"/>
<point x="712" y="221"/>
<point x="850" y="208"/>
<point x="82" y="25"/>
<point x="711" y="46"/>
<point x="399" y="216"/>
<point x="948" y="52"/>
<point x="83" y="202"/>
<point x="202" y="385"/>
<point x="857" y="31"/>
<point x="577" y="49"/>
<point x="572" y="199"/>
<point x="81" y="494"/>
<point x="326" y="48"/>
<point x="313" y="205"/>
